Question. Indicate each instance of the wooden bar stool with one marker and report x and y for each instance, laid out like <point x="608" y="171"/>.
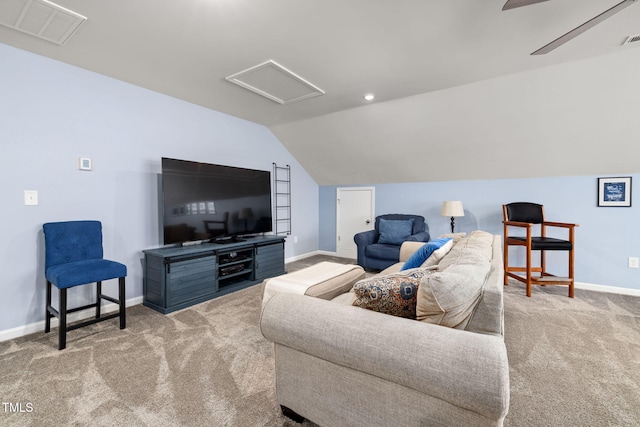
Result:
<point x="525" y="216"/>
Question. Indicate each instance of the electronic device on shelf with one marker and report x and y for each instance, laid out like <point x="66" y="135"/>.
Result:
<point x="236" y="268"/>
<point x="232" y="256"/>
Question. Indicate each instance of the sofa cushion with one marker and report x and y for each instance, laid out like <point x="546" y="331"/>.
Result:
<point x="383" y="251"/>
<point x="394" y="231"/>
<point x="477" y="244"/>
<point x="455" y="236"/>
<point x="427" y="251"/>
<point x="449" y="297"/>
<point x="393" y="294"/>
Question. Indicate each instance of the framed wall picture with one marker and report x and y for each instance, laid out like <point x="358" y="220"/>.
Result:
<point x="614" y="191"/>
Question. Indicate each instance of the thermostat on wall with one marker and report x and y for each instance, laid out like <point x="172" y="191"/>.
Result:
<point x="85" y="164"/>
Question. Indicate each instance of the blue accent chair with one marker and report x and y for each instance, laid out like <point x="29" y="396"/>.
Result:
<point x="73" y="257"/>
<point x="377" y="253"/>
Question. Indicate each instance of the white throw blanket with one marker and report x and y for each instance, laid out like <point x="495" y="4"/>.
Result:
<point x="299" y="281"/>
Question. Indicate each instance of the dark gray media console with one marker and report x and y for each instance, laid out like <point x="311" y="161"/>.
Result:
<point x="178" y="277"/>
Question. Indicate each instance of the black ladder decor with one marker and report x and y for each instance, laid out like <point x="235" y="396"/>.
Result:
<point x="282" y="189"/>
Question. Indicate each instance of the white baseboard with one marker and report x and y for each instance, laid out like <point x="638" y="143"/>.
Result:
<point x="608" y="289"/>
<point x="328" y="253"/>
<point x="31" y="328"/>
<point x="307" y="255"/>
<point x="298" y="257"/>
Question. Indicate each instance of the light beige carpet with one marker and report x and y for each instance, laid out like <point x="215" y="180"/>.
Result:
<point x="573" y="363"/>
<point x="203" y="366"/>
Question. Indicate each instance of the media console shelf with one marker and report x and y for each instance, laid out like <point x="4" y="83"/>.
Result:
<point x="178" y="277"/>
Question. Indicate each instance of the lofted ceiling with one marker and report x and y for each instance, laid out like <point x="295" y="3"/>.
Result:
<point x="395" y="49"/>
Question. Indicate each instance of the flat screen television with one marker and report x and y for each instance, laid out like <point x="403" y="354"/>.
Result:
<point x="202" y="201"/>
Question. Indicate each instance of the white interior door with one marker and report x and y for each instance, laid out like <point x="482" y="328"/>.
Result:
<point x="354" y="214"/>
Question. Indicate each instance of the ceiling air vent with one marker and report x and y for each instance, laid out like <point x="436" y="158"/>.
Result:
<point x="40" y="18"/>
<point x="631" y="40"/>
<point x="275" y="82"/>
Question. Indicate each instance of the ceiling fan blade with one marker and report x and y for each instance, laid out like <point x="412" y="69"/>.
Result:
<point x="584" y="27"/>
<point x="512" y="4"/>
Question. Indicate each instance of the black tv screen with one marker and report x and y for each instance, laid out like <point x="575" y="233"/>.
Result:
<point x="202" y="201"/>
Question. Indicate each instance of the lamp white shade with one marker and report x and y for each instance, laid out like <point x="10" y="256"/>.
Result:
<point x="452" y="208"/>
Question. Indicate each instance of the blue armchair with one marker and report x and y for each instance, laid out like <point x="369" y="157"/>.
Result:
<point x="379" y="248"/>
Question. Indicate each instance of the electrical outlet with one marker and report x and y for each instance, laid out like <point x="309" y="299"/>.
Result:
<point x="634" y="262"/>
<point x="295" y="239"/>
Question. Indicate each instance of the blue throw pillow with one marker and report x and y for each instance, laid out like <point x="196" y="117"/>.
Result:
<point x="394" y="231"/>
<point x="424" y="252"/>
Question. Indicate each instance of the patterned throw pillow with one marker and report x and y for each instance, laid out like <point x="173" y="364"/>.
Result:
<point x="393" y="294"/>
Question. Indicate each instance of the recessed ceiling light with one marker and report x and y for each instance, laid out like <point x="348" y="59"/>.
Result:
<point x="369" y="97"/>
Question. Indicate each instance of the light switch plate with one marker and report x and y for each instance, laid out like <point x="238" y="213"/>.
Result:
<point x="30" y="197"/>
<point x="84" y="164"/>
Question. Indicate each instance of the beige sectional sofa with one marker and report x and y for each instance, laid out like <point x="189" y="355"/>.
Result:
<point x="341" y="365"/>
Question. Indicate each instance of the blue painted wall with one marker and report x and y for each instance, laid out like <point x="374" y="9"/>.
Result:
<point x="52" y="113"/>
<point x="607" y="236"/>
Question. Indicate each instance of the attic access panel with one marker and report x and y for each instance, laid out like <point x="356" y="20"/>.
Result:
<point x="40" y="18"/>
<point x="275" y="82"/>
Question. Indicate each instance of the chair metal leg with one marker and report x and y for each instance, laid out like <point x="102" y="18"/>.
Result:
<point x="123" y="302"/>
<point x="62" y="328"/>
<point x="47" y="314"/>
<point x="98" y="298"/>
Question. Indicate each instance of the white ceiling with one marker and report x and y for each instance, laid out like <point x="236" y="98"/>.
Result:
<point x="396" y="49"/>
